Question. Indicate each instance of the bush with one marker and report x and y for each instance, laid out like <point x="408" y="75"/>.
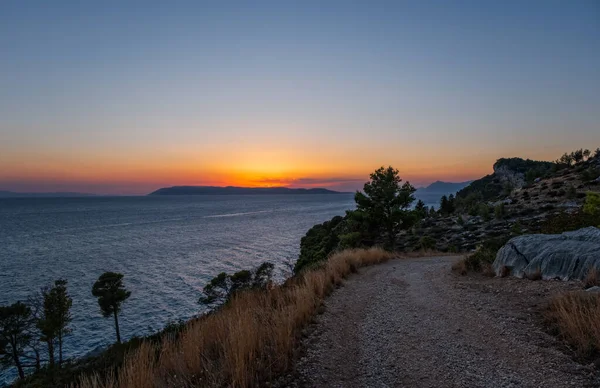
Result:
<point x="590" y="174"/>
<point x="484" y="212"/>
<point x="427" y="242"/>
<point x="485" y="254"/>
<point x="516" y="229"/>
<point x="565" y="222"/>
<point x="592" y="204"/>
<point x="318" y="243"/>
<point x="499" y="211"/>
<point x="223" y="286"/>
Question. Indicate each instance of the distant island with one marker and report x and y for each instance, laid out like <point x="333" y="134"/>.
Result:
<point x="231" y="190"/>
<point x="12" y="194"/>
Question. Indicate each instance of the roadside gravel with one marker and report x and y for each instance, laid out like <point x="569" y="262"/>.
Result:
<point x="412" y="323"/>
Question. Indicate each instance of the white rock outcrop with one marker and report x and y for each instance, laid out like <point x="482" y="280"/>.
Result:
<point x="565" y="256"/>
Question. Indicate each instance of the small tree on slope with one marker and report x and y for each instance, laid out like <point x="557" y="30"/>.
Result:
<point x="111" y="294"/>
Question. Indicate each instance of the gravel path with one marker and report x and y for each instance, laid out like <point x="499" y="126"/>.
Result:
<point x="411" y="323"/>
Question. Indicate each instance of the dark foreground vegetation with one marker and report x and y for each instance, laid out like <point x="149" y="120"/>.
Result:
<point x="32" y="334"/>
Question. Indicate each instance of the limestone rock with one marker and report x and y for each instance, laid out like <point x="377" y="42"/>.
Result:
<point x="564" y="256"/>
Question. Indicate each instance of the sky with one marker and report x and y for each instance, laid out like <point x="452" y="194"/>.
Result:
<point x="126" y="97"/>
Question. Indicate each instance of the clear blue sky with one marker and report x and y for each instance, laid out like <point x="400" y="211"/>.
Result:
<point x="124" y="97"/>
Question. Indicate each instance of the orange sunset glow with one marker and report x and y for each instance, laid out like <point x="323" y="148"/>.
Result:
<point x="135" y="174"/>
<point x="295" y="104"/>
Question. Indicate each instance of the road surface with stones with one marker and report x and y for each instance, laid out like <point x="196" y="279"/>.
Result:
<point x="412" y="323"/>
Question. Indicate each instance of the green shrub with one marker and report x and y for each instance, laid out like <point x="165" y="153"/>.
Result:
<point x="427" y="242"/>
<point x="318" y="243"/>
<point x="350" y="240"/>
<point x="499" y="211"/>
<point x="484" y="211"/>
<point x="516" y="228"/>
<point x="485" y="254"/>
<point x="592" y="204"/>
<point x="565" y="222"/>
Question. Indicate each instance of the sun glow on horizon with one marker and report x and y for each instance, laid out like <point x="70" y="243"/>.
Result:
<point x="309" y="95"/>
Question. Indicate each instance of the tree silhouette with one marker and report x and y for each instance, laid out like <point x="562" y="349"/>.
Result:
<point x="15" y="324"/>
<point x="586" y="154"/>
<point x="111" y="294"/>
<point x="447" y="204"/>
<point x="421" y="209"/>
<point x="577" y="156"/>
<point x="223" y="286"/>
<point x="386" y="201"/>
<point x="55" y="317"/>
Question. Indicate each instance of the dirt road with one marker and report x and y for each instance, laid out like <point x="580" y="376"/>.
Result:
<point x="412" y="323"/>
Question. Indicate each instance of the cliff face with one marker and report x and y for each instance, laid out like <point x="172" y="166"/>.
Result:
<point x="515" y="171"/>
<point x="509" y="177"/>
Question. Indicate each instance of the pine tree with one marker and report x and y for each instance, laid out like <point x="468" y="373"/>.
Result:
<point x="111" y="294"/>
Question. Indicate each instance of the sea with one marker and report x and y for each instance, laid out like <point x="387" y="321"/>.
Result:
<point x="167" y="248"/>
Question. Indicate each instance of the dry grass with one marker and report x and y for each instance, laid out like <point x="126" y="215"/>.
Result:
<point x="574" y="317"/>
<point x="488" y="270"/>
<point x="246" y="343"/>
<point x="537" y="275"/>
<point x="505" y="271"/>
<point x="460" y="267"/>
<point x="592" y="278"/>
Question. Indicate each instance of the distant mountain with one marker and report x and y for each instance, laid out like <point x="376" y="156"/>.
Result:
<point x="432" y="194"/>
<point x="229" y="190"/>
<point x="445" y="187"/>
<point x="12" y="194"/>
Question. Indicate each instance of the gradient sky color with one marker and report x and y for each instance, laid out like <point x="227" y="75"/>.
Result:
<point x="126" y="97"/>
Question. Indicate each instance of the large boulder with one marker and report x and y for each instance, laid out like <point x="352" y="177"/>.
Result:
<point x="565" y="256"/>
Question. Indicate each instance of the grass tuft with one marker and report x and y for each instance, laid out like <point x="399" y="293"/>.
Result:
<point x="460" y="267"/>
<point x="592" y="278"/>
<point x="488" y="270"/>
<point x="537" y="275"/>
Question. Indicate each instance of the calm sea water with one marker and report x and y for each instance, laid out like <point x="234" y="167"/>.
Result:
<point x="167" y="248"/>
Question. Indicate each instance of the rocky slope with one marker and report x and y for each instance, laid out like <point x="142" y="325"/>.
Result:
<point x="504" y="204"/>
